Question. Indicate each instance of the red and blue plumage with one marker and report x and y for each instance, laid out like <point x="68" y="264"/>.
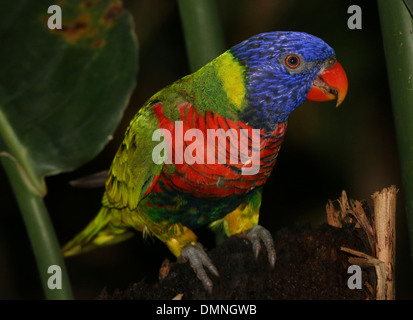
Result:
<point x="248" y="93"/>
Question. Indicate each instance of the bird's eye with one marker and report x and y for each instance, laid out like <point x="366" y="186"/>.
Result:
<point x="292" y="61"/>
<point x="331" y="61"/>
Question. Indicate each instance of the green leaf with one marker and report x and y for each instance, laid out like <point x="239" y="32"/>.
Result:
<point x="409" y="5"/>
<point x="62" y="92"/>
<point x="397" y="29"/>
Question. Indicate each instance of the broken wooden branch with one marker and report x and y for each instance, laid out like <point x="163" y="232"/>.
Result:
<point x="380" y="230"/>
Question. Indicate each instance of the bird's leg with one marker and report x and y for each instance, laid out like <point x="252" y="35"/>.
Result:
<point x="199" y="261"/>
<point x="183" y="243"/>
<point x="257" y="234"/>
<point x="244" y="220"/>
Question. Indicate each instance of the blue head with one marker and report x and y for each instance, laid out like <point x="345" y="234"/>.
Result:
<point x="280" y="68"/>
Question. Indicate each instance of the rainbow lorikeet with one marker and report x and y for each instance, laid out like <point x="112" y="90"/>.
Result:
<point x="170" y="175"/>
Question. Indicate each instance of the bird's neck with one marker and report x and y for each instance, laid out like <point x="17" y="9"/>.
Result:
<point x="218" y="87"/>
<point x="269" y="100"/>
<point x="246" y="92"/>
<point x="265" y="112"/>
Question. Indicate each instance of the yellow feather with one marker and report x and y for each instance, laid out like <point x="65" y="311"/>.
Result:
<point x="231" y="75"/>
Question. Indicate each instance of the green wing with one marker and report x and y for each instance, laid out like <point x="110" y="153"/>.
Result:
<point x="132" y="172"/>
<point x="133" y="169"/>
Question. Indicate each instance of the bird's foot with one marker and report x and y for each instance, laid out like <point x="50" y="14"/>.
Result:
<point x="199" y="261"/>
<point x="257" y="234"/>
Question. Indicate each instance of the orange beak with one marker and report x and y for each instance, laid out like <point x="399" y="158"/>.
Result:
<point x="330" y="84"/>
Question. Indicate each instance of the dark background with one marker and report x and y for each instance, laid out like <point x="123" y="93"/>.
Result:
<point x="326" y="149"/>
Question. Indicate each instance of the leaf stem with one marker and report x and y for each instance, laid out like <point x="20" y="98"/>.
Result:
<point x="18" y="151"/>
<point x="397" y="29"/>
<point x="203" y="32"/>
<point x="40" y="231"/>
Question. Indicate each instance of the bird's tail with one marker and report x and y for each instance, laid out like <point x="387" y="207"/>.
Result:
<point x="99" y="232"/>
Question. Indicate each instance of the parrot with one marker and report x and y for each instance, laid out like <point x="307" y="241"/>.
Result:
<point x="170" y="176"/>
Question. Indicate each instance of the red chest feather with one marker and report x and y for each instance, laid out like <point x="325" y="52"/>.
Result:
<point x="211" y="156"/>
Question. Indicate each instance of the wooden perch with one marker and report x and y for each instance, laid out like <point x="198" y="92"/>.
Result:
<point x="312" y="263"/>
<point x="381" y="233"/>
<point x="385" y="224"/>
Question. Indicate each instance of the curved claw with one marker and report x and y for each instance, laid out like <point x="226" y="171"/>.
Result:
<point x="199" y="260"/>
<point x="257" y="234"/>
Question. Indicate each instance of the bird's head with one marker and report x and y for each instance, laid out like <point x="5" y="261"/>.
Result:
<point x="282" y="70"/>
